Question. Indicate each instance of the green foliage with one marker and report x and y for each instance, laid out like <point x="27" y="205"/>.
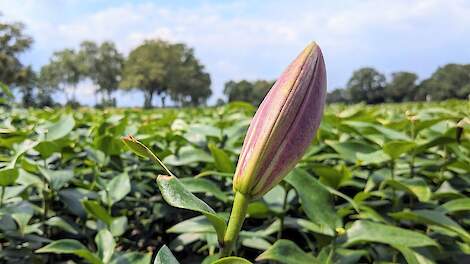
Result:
<point x="103" y="65"/>
<point x="251" y="92"/>
<point x="368" y="85"/>
<point x="13" y="42"/>
<point x="379" y="184"/>
<point x="162" y="68"/>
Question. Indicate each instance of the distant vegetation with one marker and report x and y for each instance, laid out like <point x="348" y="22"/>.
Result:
<point x="157" y="68"/>
<point x="370" y="86"/>
<point x="171" y="70"/>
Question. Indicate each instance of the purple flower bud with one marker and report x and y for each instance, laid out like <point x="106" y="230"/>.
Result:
<point x="284" y="125"/>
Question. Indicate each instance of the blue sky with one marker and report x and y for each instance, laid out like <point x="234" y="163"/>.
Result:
<point x="256" y="39"/>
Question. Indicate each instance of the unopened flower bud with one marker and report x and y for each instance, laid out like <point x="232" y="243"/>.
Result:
<point x="284" y="125"/>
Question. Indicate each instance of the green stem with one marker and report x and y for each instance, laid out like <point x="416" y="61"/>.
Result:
<point x="237" y="217"/>
<point x="394" y="195"/>
<point x="283" y="214"/>
<point x="2" y="196"/>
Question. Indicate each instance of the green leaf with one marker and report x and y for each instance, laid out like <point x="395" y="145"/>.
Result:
<point x="456" y="205"/>
<point x="132" y="258"/>
<point x="62" y="224"/>
<point x="8" y="176"/>
<point x="367" y="231"/>
<point x="118" y="188"/>
<point x="141" y="150"/>
<point x="287" y="252"/>
<point x="174" y="193"/>
<point x="95" y="209"/>
<point x="348" y="150"/>
<point x="198" y="224"/>
<point x="415" y="186"/>
<point x="396" y="148"/>
<point x="198" y="185"/>
<point x="56" y="178"/>
<point x="105" y="243"/>
<point x="59" y="129"/>
<point x="118" y="226"/>
<point x="232" y="260"/>
<point x="70" y="246"/>
<point x="188" y="156"/>
<point x="375" y="157"/>
<point x="315" y="199"/>
<point x="331" y="176"/>
<point x="432" y="217"/>
<point x="164" y="256"/>
<point x="22" y="213"/>
<point x="411" y="256"/>
<point x="222" y="160"/>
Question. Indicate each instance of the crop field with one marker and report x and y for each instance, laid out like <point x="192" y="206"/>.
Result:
<point x="379" y="184"/>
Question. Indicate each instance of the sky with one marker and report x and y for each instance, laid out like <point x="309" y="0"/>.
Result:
<point x="256" y="39"/>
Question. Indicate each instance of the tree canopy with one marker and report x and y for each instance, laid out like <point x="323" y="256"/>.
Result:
<point x="248" y="91"/>
<point x="103" y="65"/>
<point x="13" y="42"/>
<point x="370" y="86"/>
<point x="161" y="68"/>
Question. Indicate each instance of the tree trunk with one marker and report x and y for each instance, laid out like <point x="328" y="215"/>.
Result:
<point x="163" y="98"/>
<point x="148" y="96"/>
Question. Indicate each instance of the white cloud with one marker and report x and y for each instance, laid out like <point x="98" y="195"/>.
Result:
<point x="247" y="39"/>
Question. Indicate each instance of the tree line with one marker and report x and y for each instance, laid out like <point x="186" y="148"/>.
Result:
<point x="171" y="70"/>
<point x="370" y="86"/>
<point x="156" y="67"/>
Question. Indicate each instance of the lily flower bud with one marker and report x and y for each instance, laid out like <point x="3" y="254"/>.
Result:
<point x="284" y="125"/>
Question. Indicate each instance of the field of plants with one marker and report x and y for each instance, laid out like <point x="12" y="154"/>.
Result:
<point x="379" y="184"/>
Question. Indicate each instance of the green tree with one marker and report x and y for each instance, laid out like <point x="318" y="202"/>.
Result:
<point x="366" y="85"/>
<point x="103" y="65"/>
<point x="449" y="81"/>
<point x="337" y="96"/>
<point x="188" y="83"/>
<point x="27" y="88"/>
<point x="402" y="87"/>
<point x="13" y="42"/>
<point x="63" y="72"/>
<point x="161" y="68"/>
<point x="251" y="92"/>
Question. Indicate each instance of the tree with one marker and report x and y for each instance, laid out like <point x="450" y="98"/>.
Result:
<point x="366" y="84"/>
<point x="449" y="81"/>
<point x="161" y="68"/>
<point x="402" y="87"/>
<point x="251" y="92"/>
<point x="13" y="42"/>
<point x="103" y="65"/>
<point x="63" y="72"/>
<point x="188" y="83"/>
<point x="27" y="88"/>
<point x="337" y="96"/>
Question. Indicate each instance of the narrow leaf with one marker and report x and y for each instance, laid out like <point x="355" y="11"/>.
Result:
<point x="174" y="193"/>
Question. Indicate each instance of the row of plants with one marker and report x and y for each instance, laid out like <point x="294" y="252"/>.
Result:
<point x="379" y="183"/>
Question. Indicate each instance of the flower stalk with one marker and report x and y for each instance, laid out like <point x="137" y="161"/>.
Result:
<point x="279" y="134"/>
<point x="237" y="217"/>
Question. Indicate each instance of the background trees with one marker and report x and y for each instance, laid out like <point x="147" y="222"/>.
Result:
<point x="103" y="65"/>
<point x="161" y="68"/>
<point x="366" y="84"/>
<point x="63" y="73"/>
<point x="172" y="70"/>
<point x="13" y="42"/>
<point x="402" y="87"/>
<point x="252" y="92"/>
<point x="370" y="86"/>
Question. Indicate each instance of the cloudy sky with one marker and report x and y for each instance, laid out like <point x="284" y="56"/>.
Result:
<point x="257" y="39"/>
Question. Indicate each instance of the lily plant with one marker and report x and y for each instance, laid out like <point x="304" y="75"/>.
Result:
<point x="277" y="138"/>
